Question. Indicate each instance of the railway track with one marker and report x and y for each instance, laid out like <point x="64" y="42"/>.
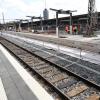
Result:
<point x="66" y="84"/>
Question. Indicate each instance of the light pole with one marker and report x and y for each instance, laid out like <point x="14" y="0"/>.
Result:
<point x="70" y="23"/>
<point x="63" y="12"/>
<point x="57" y="24"/>
<point x="14" y="25"/>
<point x="28" y="26"/>
<point x="41" y="21"/>
<point x="20" y="22"/>
<point x="32" y="17"/>
<point x="70" y="12"/>
<point x="27" y="22"/>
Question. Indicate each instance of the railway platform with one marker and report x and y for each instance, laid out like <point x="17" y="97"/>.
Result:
<point x="82" y="70"/>
<point x="16" y="83"/>
<point x="91" y="44"/>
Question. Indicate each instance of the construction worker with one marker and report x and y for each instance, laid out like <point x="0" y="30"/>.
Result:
<point x="75" y="30"/>
<point x="67" y="29"/>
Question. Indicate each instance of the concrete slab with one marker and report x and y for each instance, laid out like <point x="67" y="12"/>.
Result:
<point x="77" y="41"/>
<point x="86" y="55"/>
<point x="42" y="54"/>
<point x="3" y="95"/>
<point x="18" y="83"/>
<point x="15" y="87"/>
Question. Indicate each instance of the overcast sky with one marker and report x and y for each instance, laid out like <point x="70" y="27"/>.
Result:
<point x="20" y="8"/>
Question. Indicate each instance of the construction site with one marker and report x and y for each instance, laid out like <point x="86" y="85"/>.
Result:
<point x="44" y="58"/>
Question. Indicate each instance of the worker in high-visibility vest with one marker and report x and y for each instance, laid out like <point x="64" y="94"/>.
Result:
<point x="75" y="29"/>
<point x="67" y="28"/>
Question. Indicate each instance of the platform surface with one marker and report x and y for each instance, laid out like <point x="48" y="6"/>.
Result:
<point x="15" y="87"/>
<point x="18" y="85"/>
<point x="75" y="52"/>
<point x="77" y="41"/>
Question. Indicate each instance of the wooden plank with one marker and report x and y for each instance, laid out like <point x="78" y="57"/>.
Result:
<point x="93" y="97"/>
<point x="77" y="90"/>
